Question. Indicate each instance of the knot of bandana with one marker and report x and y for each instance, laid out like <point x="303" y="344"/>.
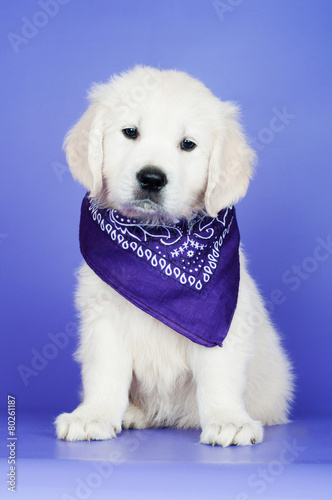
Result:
<point x="185" y="274"/>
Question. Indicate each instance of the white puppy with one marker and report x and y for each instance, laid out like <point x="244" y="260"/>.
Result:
<point x="136" y="371"/>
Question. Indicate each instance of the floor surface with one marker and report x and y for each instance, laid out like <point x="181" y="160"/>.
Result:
<point x="293" y="462"/>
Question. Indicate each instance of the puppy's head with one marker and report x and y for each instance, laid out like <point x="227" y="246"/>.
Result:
<point x="158" y="145"/>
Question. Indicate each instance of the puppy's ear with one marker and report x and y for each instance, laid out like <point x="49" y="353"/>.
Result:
<point x="231" y="164"/>
<point x="84" y="150"/>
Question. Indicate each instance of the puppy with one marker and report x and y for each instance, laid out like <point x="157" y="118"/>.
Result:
<point x="164" y="161"/>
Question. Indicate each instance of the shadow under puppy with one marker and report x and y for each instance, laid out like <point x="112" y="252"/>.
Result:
<point x="173" y="329"/>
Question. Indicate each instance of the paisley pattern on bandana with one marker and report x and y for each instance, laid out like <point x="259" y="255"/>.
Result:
<point x="189" y="255"/>
<point x="185" y="274"/>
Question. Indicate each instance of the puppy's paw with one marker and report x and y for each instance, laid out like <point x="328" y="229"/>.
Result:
<point x="79" y="426"/>
<point x="134" y="418"/>
<point x="227" y="433"/>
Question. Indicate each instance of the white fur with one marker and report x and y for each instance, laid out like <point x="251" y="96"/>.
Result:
<point x="137" y="372"/>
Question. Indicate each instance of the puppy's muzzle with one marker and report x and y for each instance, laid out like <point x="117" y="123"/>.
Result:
<point x="151" y="179"/>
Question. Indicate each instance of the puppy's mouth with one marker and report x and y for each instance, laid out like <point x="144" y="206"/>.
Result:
<point x="145" y="206"/>
<point x="146" y="211"/>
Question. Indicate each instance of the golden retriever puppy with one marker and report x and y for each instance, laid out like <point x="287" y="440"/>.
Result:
<point x="173" y="329"/>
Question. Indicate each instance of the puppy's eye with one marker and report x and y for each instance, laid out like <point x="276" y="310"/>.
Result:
<point x="131" y="133"/>
<point x="187" y="145"/>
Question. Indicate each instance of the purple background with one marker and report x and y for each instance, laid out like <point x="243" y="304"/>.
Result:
<point x="267" y="56"/>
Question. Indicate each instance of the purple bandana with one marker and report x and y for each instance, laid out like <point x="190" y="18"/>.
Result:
<point x="184" y="274"/>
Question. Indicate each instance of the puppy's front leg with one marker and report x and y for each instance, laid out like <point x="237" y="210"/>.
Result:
<point x="106" y="377"/>
<point x="220" y="374"/>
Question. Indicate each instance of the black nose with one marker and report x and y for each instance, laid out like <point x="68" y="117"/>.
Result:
<point x="151" y="179"/>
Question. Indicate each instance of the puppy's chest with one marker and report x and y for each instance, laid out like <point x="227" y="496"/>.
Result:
<point x="159" y="355"/>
